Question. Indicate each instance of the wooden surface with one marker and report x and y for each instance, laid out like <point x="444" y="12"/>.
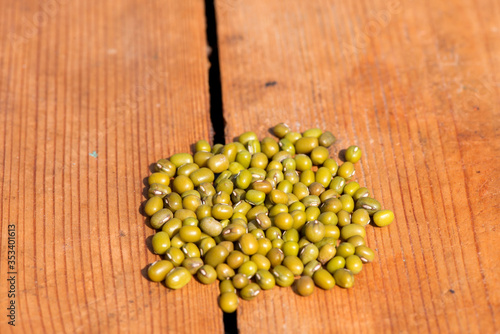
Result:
<point x="420" y="95"/>
<point x="123" y="81"/>
<point x="91" y="93"/>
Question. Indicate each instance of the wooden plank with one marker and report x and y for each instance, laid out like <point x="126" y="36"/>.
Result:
<point x="414" y="84"/>
<point x="91" y="93"/>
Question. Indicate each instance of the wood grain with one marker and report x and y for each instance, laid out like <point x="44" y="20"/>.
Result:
<point x="91" y="93"/>
<point x="415" y="84"/>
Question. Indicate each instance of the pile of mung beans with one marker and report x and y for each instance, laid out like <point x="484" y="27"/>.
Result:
<point x="255" y="214"/>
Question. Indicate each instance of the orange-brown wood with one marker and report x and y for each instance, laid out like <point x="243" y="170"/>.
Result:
<point x="91" y="93"/>
<point x="415" y="84"/>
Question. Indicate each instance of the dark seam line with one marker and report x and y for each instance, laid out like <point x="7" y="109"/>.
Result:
<point x="216" y="115"/>
<point x="214" y="79"/>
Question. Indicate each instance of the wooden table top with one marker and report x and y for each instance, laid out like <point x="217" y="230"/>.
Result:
<point x="93" y="92"/>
